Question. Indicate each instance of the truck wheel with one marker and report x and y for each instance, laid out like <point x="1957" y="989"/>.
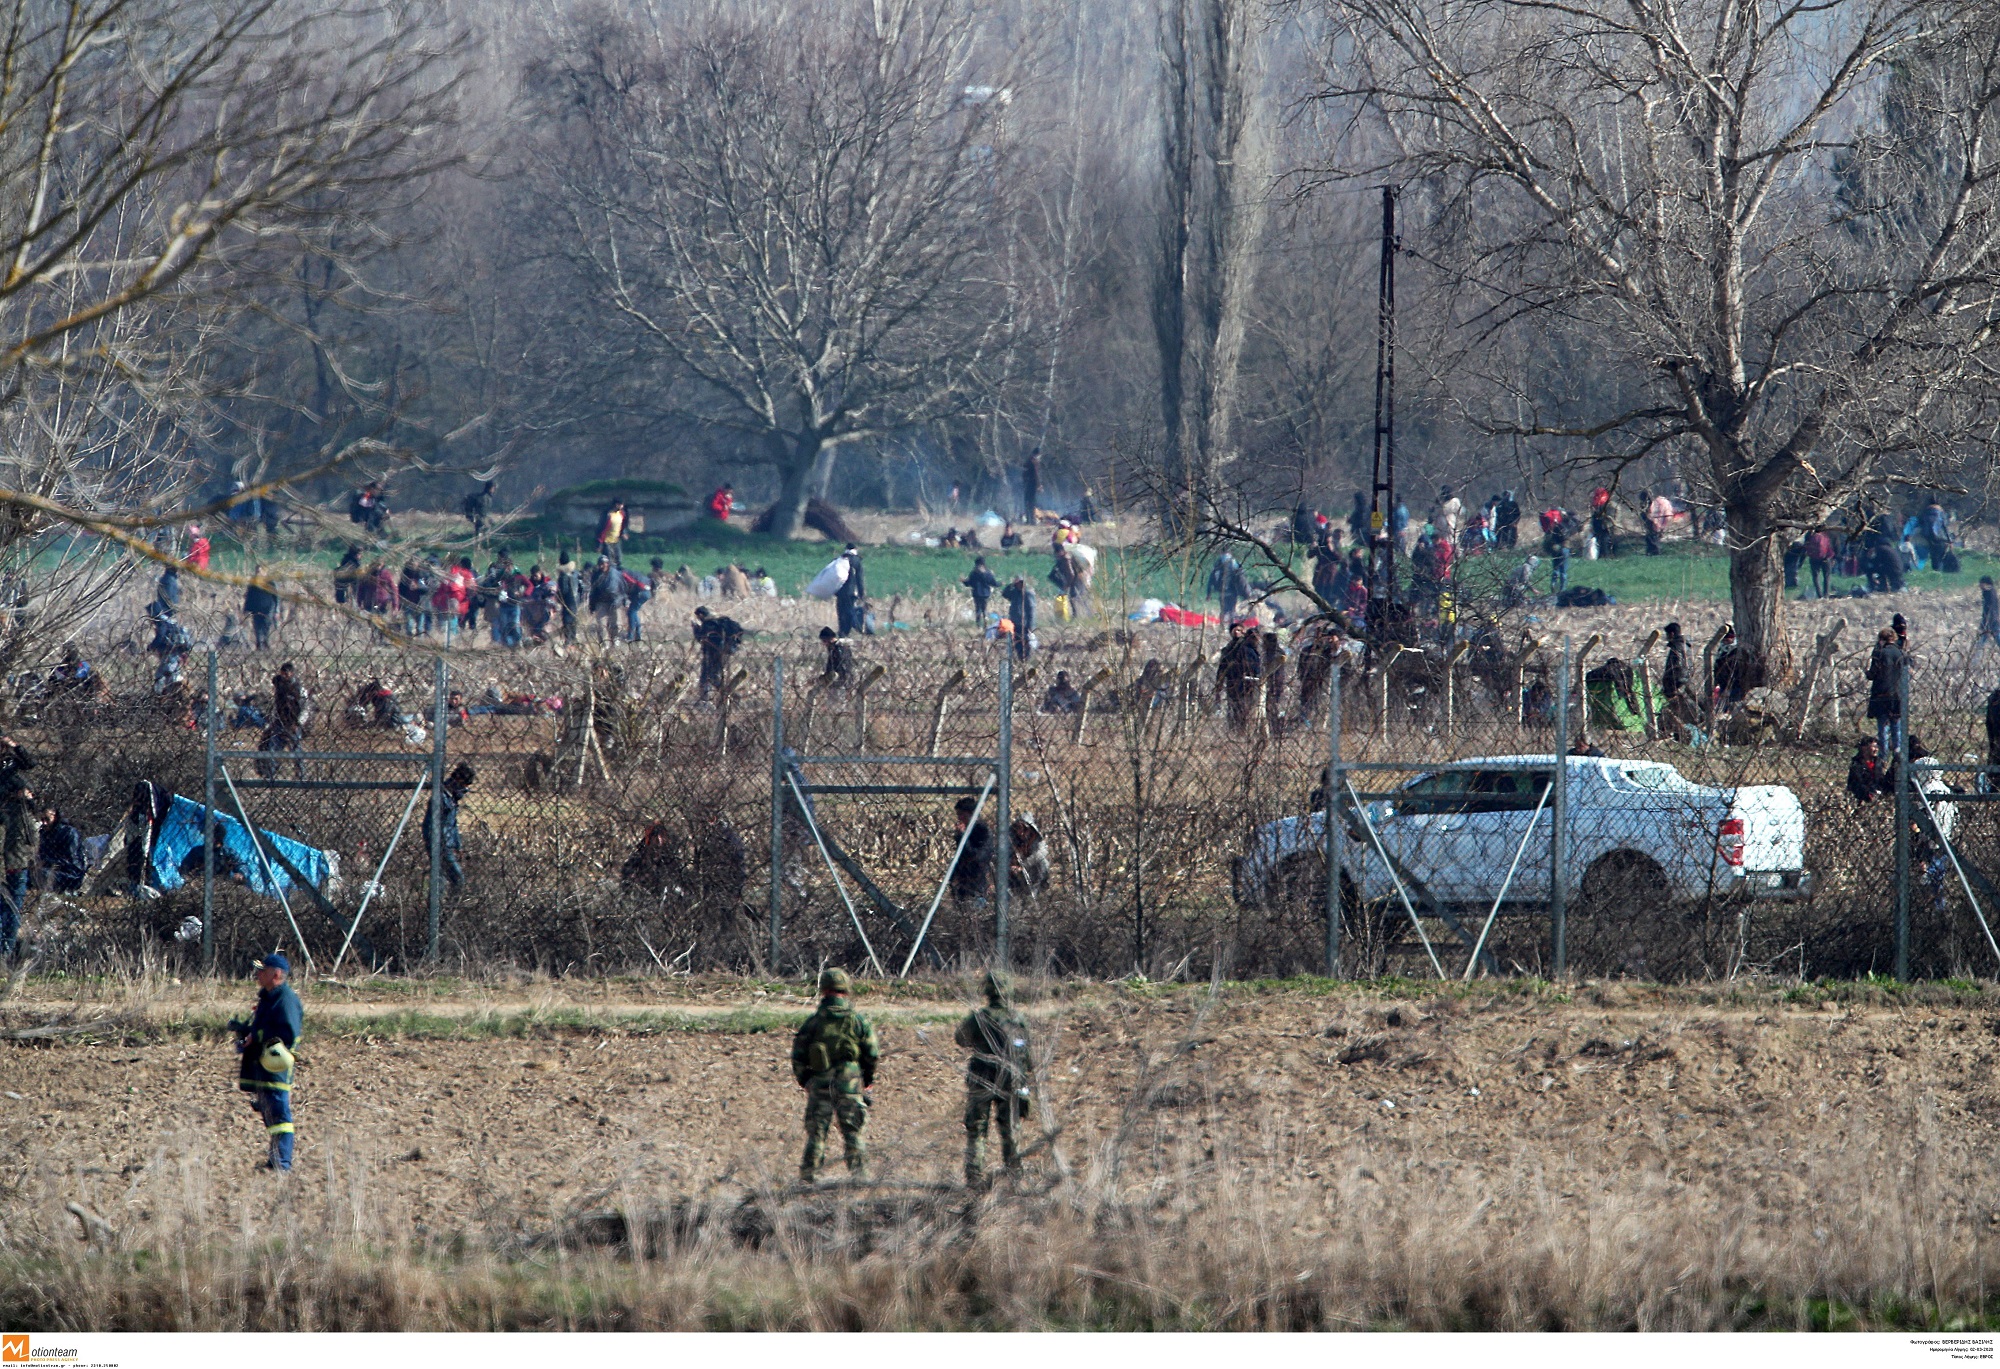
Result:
<point x="1300" y="881"/>
<point x="1622" y="883"/>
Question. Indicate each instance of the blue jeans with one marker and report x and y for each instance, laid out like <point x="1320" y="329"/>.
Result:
<point x="507" y="625"/>
<point x="1559" y="573"/>
<point x="1888" y="735"/>
<point x="632" y="607"/>
<point x="13" y="902"/>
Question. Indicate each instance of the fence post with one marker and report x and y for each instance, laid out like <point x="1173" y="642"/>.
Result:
<point x="440" y="724"/>
<point x="1333" y="786"/>
<point x="208" y="830"/>
<point x="1004" y="815"/>
<point x="1903" y="781"/>
<point x="1558" y="845"/>
<point x="777" y="911"/>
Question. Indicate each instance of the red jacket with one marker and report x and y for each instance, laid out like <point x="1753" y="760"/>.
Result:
<point x="722" y="503"/>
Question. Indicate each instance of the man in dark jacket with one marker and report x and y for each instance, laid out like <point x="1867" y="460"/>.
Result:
<point x="997" y="1077"/>
<point x="1885" y="690"/>
<point x="266" y="1043"/>
<point x="452" y="844"/>
<point x="1020" y="597"/>
<point x="834" y="1055"/>
<point x="1239" y="672"/>
<point x="607" y="597"/>
<point x="982" y="582"/>
<point x="972" y="871"/>
<point x="260" y="601"/>
<point x="851" y="599"/>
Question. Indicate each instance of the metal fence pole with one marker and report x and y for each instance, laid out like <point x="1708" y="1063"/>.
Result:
<point x="208" y="830"/>
<point x="1333" y="783"/>
<point x="440" y="724"/>
<point x="1004" y="814"/>
<point x="777" y="809"/>
<point x="1558" y="843"/>
<point x="1903" y="781"/>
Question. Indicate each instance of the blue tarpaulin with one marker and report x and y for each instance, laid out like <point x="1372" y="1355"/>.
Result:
<point x="181" y="833"/>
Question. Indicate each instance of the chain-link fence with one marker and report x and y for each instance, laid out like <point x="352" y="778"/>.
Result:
<point x="1167" y="812"/>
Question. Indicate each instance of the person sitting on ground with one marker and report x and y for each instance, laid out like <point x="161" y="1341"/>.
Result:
<point x="1062" y="696"/>
<point x="247" y="715"/>
<point x="839" y="671"/>
<point x="74" y="675"/>
<point x="684" y="580"/>
<point x="1867" y="776"/>
<point x="61" y="854"/>
<point x="1009" y="539"/>
<point x="950" y="538"/>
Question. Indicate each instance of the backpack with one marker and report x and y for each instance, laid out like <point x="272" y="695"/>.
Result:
<point x="836" y="1042"/>
<point x="1005" y="1045"/>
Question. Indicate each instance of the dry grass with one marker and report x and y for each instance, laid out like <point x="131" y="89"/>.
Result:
<point x="1253" y="1160"/>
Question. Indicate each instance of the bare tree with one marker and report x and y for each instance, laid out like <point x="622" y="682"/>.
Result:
<point x="786" y="215"/>
<point x="1212" y="188"/>
<point x="1706" y="204"/>
<point x="160" y="163"/>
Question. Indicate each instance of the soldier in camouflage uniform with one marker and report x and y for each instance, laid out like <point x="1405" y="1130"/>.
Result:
<point x="996" y="1077"/>
<point x="833" y="1058"/>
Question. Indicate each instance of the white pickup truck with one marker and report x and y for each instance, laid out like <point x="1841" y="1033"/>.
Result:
<point x="1639" y="835"/>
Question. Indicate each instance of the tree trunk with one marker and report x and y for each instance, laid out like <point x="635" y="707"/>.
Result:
<point x="1757" y="595"/>
<point x="788" y="514"/>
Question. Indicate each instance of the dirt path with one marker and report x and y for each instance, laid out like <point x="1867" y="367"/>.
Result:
<point x="1504" y="1103"/>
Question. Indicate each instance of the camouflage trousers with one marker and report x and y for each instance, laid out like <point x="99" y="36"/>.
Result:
<point x="826" y="1103"/>
<point x="980" y="1103"/>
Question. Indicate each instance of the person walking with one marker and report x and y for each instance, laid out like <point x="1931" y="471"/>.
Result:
<point x="982" y="582"/>
<point x="1555" y="545"/>
<point x="834" y="1056"/>
<point x="449" y="842"/>
<point x="1020" y="597"/>
<point x="1886" y="665"/>
<point x="638" y="593"/>
<point x="611" y="534"/>
<point x="1819" y="562"/>
<point x="267" y="1042"/>
<point x="287" y="728"/>
<point x="997" y="1078"/>
<point x="851" y="599"/>
<point x="605" y="599"/>
<point x="260" y="602"/>
<point x="718" y="639"/>
<point x="570" y="594"/>
<point x="1227" y="584"/>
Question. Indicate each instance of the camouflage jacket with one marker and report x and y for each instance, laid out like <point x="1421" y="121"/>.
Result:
<point x="836" y="1043"/>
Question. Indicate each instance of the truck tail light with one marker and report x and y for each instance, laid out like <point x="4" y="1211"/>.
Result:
<point x="1729" y="842"/>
